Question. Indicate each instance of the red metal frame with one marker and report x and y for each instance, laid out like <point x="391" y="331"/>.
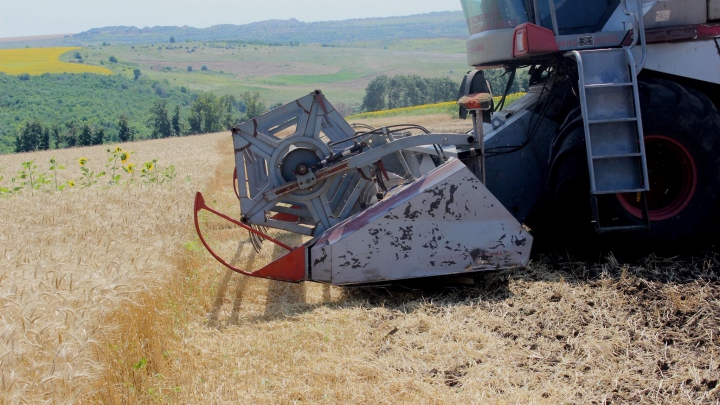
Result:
<point x="682" y="33"/>
<point x="290" y="267"/>
<point x="235" y="184"/>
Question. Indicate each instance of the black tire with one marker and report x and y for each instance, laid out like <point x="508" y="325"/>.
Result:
<point x="568" y="183"/>
<point x="682" y="138"/>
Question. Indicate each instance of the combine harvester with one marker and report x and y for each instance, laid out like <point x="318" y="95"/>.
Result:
<point x="618" y="134"/>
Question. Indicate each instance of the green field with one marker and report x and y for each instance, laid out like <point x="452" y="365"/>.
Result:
<point x="178" y="71"/>
<point x="449" y="108"/>
<point x="283" y="73"/>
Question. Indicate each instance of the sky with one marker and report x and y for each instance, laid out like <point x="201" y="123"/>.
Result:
<point x="46" y="17"/>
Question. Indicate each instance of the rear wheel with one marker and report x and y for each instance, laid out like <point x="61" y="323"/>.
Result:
<point x="682" y="130"/>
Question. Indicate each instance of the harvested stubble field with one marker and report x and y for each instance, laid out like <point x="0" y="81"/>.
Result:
<point x="168" y="324"/>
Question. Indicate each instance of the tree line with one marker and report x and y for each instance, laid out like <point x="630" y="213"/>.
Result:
<point x="399" y="91"/>
<point x="33" y="136"/>
<point x="208" y="113"/>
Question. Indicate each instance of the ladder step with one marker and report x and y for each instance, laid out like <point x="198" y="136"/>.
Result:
<point x="604" y="85"/>
<point x="619" y="156"/>
<point x="634" y="190"/>
<point x="605" y="121"/>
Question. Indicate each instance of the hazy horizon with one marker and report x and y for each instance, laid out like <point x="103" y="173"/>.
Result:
<point x="39" y="17"/>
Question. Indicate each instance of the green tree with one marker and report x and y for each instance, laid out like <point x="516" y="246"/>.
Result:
<point x="375" y="94"/>
<point x="26" y="139"/>
<point x="86" y="137"/>
<point x="71" y="136"/>
<point x="255" y="106"/>
<point x="176" y="126"/>
<point x="44" y="140"/>
<point x="195" y="122"/>
<point x="99" y="136"/>
<point x="112" y="59"/>
<point x="172" y="40"/>
<point x="442" y="89"/>
<point x="30" y="137"/>
<point x="227" y="107"/>
<point x="205" y="114"/>
<point x="159" y="122"/>
<point x="125" y="133"/>
<point x="136" y="73"/>
<point x="498" y="80"/>
<point x="405" y="91"/>
<point x="56" y="136"/>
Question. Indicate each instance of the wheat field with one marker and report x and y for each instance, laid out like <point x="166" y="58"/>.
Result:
<point x="71" y="258"/>
<point x="36" y="61"/>
<point x="106" y="296"/>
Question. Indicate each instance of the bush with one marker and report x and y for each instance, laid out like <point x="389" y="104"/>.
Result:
<point x="112" y="59"/>
<point x="189" y="68"/>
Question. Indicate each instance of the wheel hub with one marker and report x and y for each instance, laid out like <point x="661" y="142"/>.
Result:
<point x="673" y="179"/>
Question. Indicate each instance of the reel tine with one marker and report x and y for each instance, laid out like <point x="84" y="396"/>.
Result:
<point x="255" y="240"/>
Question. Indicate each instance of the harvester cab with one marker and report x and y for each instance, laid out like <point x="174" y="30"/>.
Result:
<point x="595" y="146"/>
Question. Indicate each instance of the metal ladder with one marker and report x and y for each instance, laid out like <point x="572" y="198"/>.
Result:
<point x="610" y="106"/>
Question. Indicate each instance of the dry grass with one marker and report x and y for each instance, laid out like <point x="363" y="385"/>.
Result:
<point x="560" y="331"/>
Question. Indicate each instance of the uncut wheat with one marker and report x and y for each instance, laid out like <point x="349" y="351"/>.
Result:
<point x="69" y="258"/>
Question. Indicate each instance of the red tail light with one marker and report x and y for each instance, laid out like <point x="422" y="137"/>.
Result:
<point x="531" y="39"/>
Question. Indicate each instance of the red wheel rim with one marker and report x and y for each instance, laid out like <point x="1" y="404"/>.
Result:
<point x="673" y="179"/>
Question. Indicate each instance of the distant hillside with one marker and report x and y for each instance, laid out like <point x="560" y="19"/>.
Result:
<point x="431" y="25"/>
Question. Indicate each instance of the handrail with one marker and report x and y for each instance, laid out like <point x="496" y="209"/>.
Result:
<point x="586" y="120"/>
<point x="553" y="17"/>
<point x="536" y="12"/>
<point x="638" y="31"/>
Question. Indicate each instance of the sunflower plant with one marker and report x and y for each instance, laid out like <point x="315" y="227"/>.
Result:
<point x="130" y="169"/>
<point x="54" y="167"/>
<point x="89" y="177"/>
<point x="4" y="190"/>
<point x="118" y="159"/>
<point x="149" y="172"/>
<point x="29" y="177"/>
